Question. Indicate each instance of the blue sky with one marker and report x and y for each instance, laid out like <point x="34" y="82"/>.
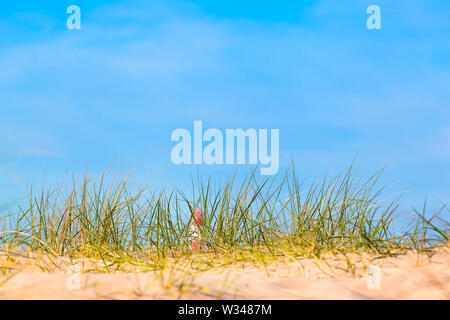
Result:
<point x="137" y="70"/>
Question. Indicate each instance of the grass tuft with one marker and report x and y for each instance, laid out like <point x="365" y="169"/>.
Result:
<point x="250" y="220"/>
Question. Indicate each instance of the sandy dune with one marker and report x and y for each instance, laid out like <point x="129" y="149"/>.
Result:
<point x="408" y="276"/>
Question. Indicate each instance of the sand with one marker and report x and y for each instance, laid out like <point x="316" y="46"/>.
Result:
<point x="410" y="276"/>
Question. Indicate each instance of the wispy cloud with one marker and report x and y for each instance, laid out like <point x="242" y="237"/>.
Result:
<point x="29" y="152"/>
<point x="138" y="70"/>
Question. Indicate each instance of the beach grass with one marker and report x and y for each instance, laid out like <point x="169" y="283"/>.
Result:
<point x="245" y="220"/>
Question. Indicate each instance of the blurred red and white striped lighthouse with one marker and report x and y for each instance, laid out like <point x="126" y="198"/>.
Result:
<point x="195" y="230"/>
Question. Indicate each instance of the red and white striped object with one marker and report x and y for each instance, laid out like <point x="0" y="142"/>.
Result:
<point x="194" y="230"/>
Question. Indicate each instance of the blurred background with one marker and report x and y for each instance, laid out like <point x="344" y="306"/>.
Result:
<point x="113" y="92"/>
